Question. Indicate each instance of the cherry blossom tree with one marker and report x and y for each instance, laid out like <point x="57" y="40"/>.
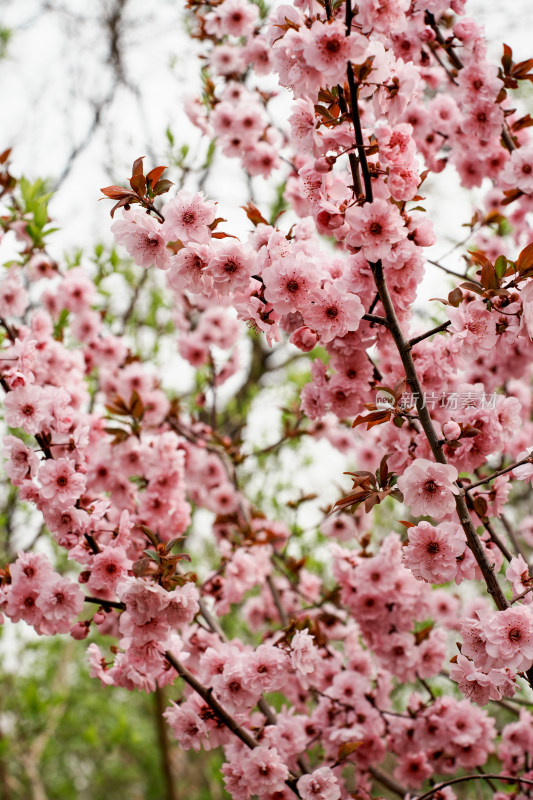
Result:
<point x="367" y="642"/>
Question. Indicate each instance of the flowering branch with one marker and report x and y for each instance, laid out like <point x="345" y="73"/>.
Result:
<point x="427" y="334"/>
<point x="207" y="695"/>
<point x="463" y="778"/>
<point x="494" y="475"/>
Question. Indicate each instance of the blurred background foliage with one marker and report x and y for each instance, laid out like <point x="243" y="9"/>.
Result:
<point x="63" y="736"/>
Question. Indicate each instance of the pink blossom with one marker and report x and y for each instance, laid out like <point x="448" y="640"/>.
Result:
<point x="428" y="488"/>
<point x="183" y="605"/>
<point x="333" y="313"/>
<point x="227" y="59"/>
<point x="374" y="228"/>
<point x="266" y="669"/>
<point x="21" y="603"/>
<point x="413" y="769"/>
<point x="107" y="569"/>
<point x="518" y="172"/>
<point x="304" y="339"/>
<point x="432" y="551"/>
<point x="396" y="145"/>
<point x="60" y="482"/>
<point x="509" y="637"/>
<point x="142" y="236"/>
<point x="237" y="18"/>
<point x="60" y="600"/>
<point x="13" y="297"/>
<point x="232" y="689"/>
<point x="187" y="218"/>
<point x="451" y="431"/>
<point x="188" y="728"/>
<point x="144" y="600"/>
<point x="288" y="283"/>
<point x="231" y="266"/>
<point x="27" y="407"/>
<point x="387" y="17"/>
<point x="321" y="784"/>
<point x="517" y="574"/>
<point x="525" y="471"/>
<point x="480" y="687"/>
<point x="305" y="656"/>
<point x="31" y="570"/>
<point x="22" y="462"/>
<point x="328" y="49"/>
<point x="265" y="771"/>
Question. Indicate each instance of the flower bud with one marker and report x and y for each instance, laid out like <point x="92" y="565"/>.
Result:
<point x="80" y="630"/>
<point x="304" y="338"/>
<point x="451" y="431"/>
<point x="324" y="163"/>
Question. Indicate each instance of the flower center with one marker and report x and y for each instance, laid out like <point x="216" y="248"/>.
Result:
<point x="515" y="635"/>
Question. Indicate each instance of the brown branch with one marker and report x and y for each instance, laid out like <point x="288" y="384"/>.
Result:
<point x="232" y="725"/>
<point x="164" y="745"/>
<point x="451" y="272"/>
<point x="449" y="48"/>
<point x="519" y="550"/>
<point x="387" y="782"/>
<point x="105" y="603"/>
<point x="463" y="778"/>
<point x="379" y="320"/>
<point x="494" y="537"/>
<point x="277" y="601"/>
<point x="427" y="334"/>
<point x="497" y="474"/>
<point x="207" y="695"/>
<point x="404" y="350"/>
<point x="487" y="569"/>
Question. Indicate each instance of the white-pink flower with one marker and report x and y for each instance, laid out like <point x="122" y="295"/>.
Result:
<point x="187" y="218"/>
<point x="142" y="237"/>
<point x="374" y="228"/>
<point x="332" y="312"/>
<point x="525" y="471"/>
<point x="319" y="785"/>
<point x="60" y="600"/>
<point x="428" y="488"/>
<point x="432" y="552"/>
<point x="60" y="482"/>
<point x="509" y="637"/>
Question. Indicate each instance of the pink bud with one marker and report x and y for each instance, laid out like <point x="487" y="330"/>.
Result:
<point x="465" y="29"/>
<point x="99" y="618"/>
<point x="304" y="338"/>
<point x="324" y="163"/>
<point x="451" y="431"/>
<point x="80" y="630"/>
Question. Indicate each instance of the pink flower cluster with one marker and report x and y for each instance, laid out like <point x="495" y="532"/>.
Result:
<point x="40" y="596"/>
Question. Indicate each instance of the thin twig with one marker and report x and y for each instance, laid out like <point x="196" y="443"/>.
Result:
<point x="427" y="334"/>
<point x="464" y="778"/>
<point x="497" y="474"/>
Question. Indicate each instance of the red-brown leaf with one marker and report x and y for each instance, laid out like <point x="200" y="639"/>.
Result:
<point x="253" y="214"/>
<point x="138" y="184"/>
<point x="153" y="176"/>
<point x="525" y="259"/>
<point x="137" y="168"/>
<point x="115" y="192"/>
